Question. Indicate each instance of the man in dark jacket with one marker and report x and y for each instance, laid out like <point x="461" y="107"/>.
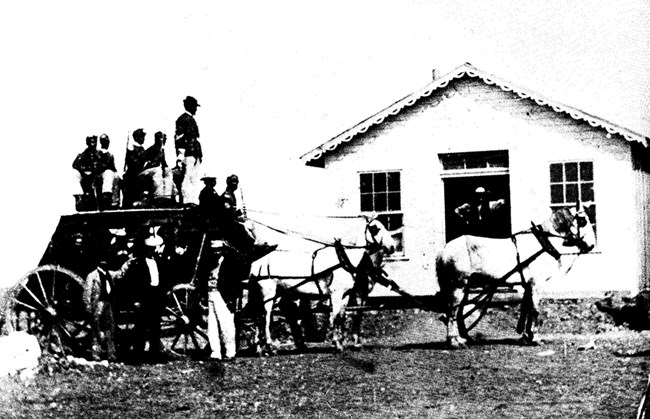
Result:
<point x="110" y="197"/>
<point x="479" y="216"/>
<point x="135" y="160"/>
<point x="156" y="176"/>
<point x="87" y="165"/>
<point x="189" y="154"/>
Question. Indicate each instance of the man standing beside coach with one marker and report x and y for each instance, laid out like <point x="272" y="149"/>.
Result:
<point x="188" y="152"/>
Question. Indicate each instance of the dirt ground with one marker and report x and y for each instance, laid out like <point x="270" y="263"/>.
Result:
<point x="404" y="371"/>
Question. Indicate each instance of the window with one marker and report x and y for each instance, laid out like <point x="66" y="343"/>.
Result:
<point x="489" y="161"/>
<point x="381" y="192"/>
<point x="573" y="181"/>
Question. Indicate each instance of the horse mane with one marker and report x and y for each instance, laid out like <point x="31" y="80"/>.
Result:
<point x="561" y="220"/>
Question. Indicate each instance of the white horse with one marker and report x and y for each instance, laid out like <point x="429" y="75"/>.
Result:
<point x="335" y="272"/>
<point x="530" y="254"/>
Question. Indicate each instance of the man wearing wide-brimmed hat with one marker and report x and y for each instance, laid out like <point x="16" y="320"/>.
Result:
<point x="188" y="151"/>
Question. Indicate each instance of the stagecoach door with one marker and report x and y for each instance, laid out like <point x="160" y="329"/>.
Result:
<point x="462" y="174"/>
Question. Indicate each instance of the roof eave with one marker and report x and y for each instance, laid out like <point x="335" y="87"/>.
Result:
<point x="441" y="82"/>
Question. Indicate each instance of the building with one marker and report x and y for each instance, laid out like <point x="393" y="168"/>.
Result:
<point x="418" y="159"/>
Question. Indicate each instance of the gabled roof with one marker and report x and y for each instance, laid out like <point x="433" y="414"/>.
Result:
<point x="440" y="83"/>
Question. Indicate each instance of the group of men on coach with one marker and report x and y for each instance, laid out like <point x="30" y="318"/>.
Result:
<point x="147" y="179"/>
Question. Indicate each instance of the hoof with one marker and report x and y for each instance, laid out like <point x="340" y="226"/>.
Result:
<point x="456" y="343"/>
<point x="528" y="340"/>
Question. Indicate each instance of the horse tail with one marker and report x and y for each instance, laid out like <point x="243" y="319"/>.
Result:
<point x="443" y="273"/>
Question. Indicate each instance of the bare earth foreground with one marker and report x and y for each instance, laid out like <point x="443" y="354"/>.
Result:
<point x="404" y="371"/>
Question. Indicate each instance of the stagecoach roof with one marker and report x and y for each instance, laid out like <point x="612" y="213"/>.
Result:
<point x="441" y="82"/>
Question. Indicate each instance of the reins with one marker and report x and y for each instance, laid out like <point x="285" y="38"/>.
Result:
<point x="288" y="232"/>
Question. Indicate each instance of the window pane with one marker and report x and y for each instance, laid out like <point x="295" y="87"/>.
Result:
<point x="586" y="171"/>
<point x="395" y="221"/>
<point x="571" y="172"/>
<point x="587" y="191"/>
<point x="365" y="182"/>
<point x="453" y="162"/>
<point x="381" y="202"/>
<point x="591" y="212"/>
<point x="476" y="162"/>
<point x="557" y="194"/>
<point x="380" y="182"/>
<point x="394" y="203"/>
<point x="394" y="182"/>
<point x="571" y="193"/>
<point x="556" y="172"/>
<point x="499" y="160"/>
<point x="366" y="202"/>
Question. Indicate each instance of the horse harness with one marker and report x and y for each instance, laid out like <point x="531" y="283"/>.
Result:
<point x="547" y="247"/>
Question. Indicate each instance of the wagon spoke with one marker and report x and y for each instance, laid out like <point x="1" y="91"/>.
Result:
<point x="40" y="284"/>
<point x="201" y="333"/>
<point x="33" y="296"/>
<point x="178" y="304"/>
<point x="176" y="340"/>
<point x="195" y="341"/>
<point x="53" y="284"/>
<point x="483" y="295"/>
<point x="173" y="313"/>
<point x="26" y="305"/>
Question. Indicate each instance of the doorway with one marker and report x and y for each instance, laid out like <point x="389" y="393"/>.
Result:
<point x="459" y="190"/>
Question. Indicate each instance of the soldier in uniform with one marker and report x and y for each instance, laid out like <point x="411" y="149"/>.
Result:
<point x="87" y="165"/>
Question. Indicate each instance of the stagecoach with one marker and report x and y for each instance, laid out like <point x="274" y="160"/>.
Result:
<point x="48" y="300"/>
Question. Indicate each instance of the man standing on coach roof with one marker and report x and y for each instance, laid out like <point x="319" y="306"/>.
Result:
<point x="188" y="151"/>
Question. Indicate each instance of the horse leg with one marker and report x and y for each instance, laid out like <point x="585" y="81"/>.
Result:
<point x="292" y="314"/>
<point x="357" y="318"/>
<point x="454" y="340"/>
<point x="267" y="291"/>
<point x="532" y="318"/>
<point x="339" y="302"/>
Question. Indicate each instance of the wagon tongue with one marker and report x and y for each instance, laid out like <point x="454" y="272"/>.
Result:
<point x="382" y="279"/>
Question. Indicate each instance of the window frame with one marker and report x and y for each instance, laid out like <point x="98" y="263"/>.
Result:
<point x="591" y="205"/>
<point x="384" y="214"/>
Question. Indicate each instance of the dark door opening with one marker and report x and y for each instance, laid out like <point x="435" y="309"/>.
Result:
<point x="459" y="190"/>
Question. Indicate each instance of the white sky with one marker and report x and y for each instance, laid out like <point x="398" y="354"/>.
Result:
<point x="274" y="79"/>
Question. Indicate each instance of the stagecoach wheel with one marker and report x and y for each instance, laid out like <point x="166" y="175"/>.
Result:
<point x="48" y="303"/>
<point x="184" y="321"/>
<point x="472" y="310"/>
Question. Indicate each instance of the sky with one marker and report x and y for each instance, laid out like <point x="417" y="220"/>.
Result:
<point x="274" y="80"/>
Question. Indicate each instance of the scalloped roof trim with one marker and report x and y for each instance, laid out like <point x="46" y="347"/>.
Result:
<point x="441" y="82"/>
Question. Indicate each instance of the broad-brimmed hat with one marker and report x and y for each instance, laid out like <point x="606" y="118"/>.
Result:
<point x="153" y="241"/>
<point x="139" y="133"/>
<point x="189" y="100"/>
<point x="118" y="232"/>
<point x="208" y="177"/>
